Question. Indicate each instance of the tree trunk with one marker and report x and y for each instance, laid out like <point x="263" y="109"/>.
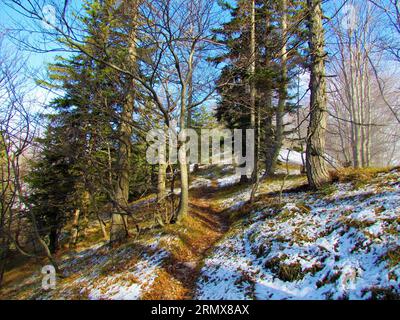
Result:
<point x="182" y="157"/>
<point x="268" y="131"/>
<point x="253" y="89"/>
<point x="75" y="228"/>
<point x="317" y="172"/>
<point x="102" y="224"/>
<point x="161" y="181"/>
<point x="119" y="222"/>
<point x="102" y="227"/>
<point x="186" y="99"/>
<point x="53" y="240"/>
<point x="184" y="198"/>
<point x="277" y="145"/>
<point x="119" y="226"/>
<point x="4" y="248"/>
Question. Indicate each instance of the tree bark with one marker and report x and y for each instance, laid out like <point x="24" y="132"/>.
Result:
<point x="317" y="172"/>
<point x="161" y="181"/>
<point x="184" y="198"/>
<point x="268" y="131"/>
<point x="278" y="142"/>
<point x="253" y="89"/>
<point x="119" y="226"/>
<point x="75" y="228"/>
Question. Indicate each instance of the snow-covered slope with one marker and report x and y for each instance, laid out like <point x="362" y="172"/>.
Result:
<point x="292" y="157"/>
<point x="100" y="272"/>
<point x="344" y="245"/>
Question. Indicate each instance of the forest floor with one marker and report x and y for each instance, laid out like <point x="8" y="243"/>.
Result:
<point x="206" y="224"/>
<point x="290" y="243"/>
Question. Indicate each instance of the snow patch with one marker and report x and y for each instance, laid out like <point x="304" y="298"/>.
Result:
<point x="332" y="247"/>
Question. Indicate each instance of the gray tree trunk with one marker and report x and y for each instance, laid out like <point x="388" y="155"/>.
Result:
<point x="317" y="172"/>
<point x="253" y="89"/>
<point x="277" y="145"/>
<point x="119" y="225"/>
<point x="184" y="175"/>
<point x="75" y="227"/>
<point x="161" y="181"/>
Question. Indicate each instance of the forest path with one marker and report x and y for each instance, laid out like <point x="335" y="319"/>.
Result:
<point x="206" y="224"/>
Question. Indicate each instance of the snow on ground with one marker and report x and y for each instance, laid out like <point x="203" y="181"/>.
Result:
<point x="237" y="199"/>
<point x="292" y="157"/>
<point x="315" y="247"/>
<point x="296" y="158"/>
<point x="100" y="272"/>
<point x="142" y="202"/>
<point x="228" y="181"/>
<point x="200" y="182"/>
<point x="129" y="285"/>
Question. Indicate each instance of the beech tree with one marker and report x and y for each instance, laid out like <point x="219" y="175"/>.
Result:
<point x="317" y="171"/>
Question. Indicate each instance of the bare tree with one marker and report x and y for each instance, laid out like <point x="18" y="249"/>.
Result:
<point x="359" y="124"/>
<point x="184" y="40"/>
<point x="17" y="131"/>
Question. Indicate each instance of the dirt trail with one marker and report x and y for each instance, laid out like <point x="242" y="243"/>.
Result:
<point x="205" y="226"/>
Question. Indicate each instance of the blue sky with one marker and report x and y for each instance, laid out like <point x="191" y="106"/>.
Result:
<point x="8" y="19"/>
<point x="38" y="61"/>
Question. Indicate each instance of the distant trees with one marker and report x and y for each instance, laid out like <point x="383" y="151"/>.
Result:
<point x="278" y="137"/>
<point x="184" y="42"/>
<point x="279" y="58"/>
<point x="362" y="126"/>
<point x="17" y="130"/>
<point x="15" y="136"/>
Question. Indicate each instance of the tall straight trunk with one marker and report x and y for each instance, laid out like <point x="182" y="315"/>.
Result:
<point x="119" y="225"/>
<point x="184" y="198"/>
<point x="299" y="134"/>
<point x="186" y="84"/>
<point x="268" y="127"/>
<point x="317" y="172"/>
<point x="190" y="102"/>
<point x="253" y="89"/>
<point x="75" y="227"/>
<point x="186" y="92"/>
<point x="184" y="175"/>
<point x="119" y="230"/>
<point x="189" y="122"/>
<point x="366" y="112"/>
<point x="282" y="91"/>
<point x="161" y="181"/>
<point x="102" y="227"/>
<point x="359" y="103"/>
<point x="354" y="105"/>
<point x="269" y="134"/>
<point x="368" y="120"/>
<point x="86" y="205"/>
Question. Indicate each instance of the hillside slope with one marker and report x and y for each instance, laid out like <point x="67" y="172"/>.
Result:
<point x="338" y="245"/>
<point x="342" y="242"/>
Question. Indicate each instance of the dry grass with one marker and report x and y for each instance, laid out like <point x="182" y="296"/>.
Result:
<point x="358" y="176"/>
<point x="9" y="290"/>
<point x="192" y="239"/>
<point x="383" y="294"/>
<point x="393" y="257"/>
